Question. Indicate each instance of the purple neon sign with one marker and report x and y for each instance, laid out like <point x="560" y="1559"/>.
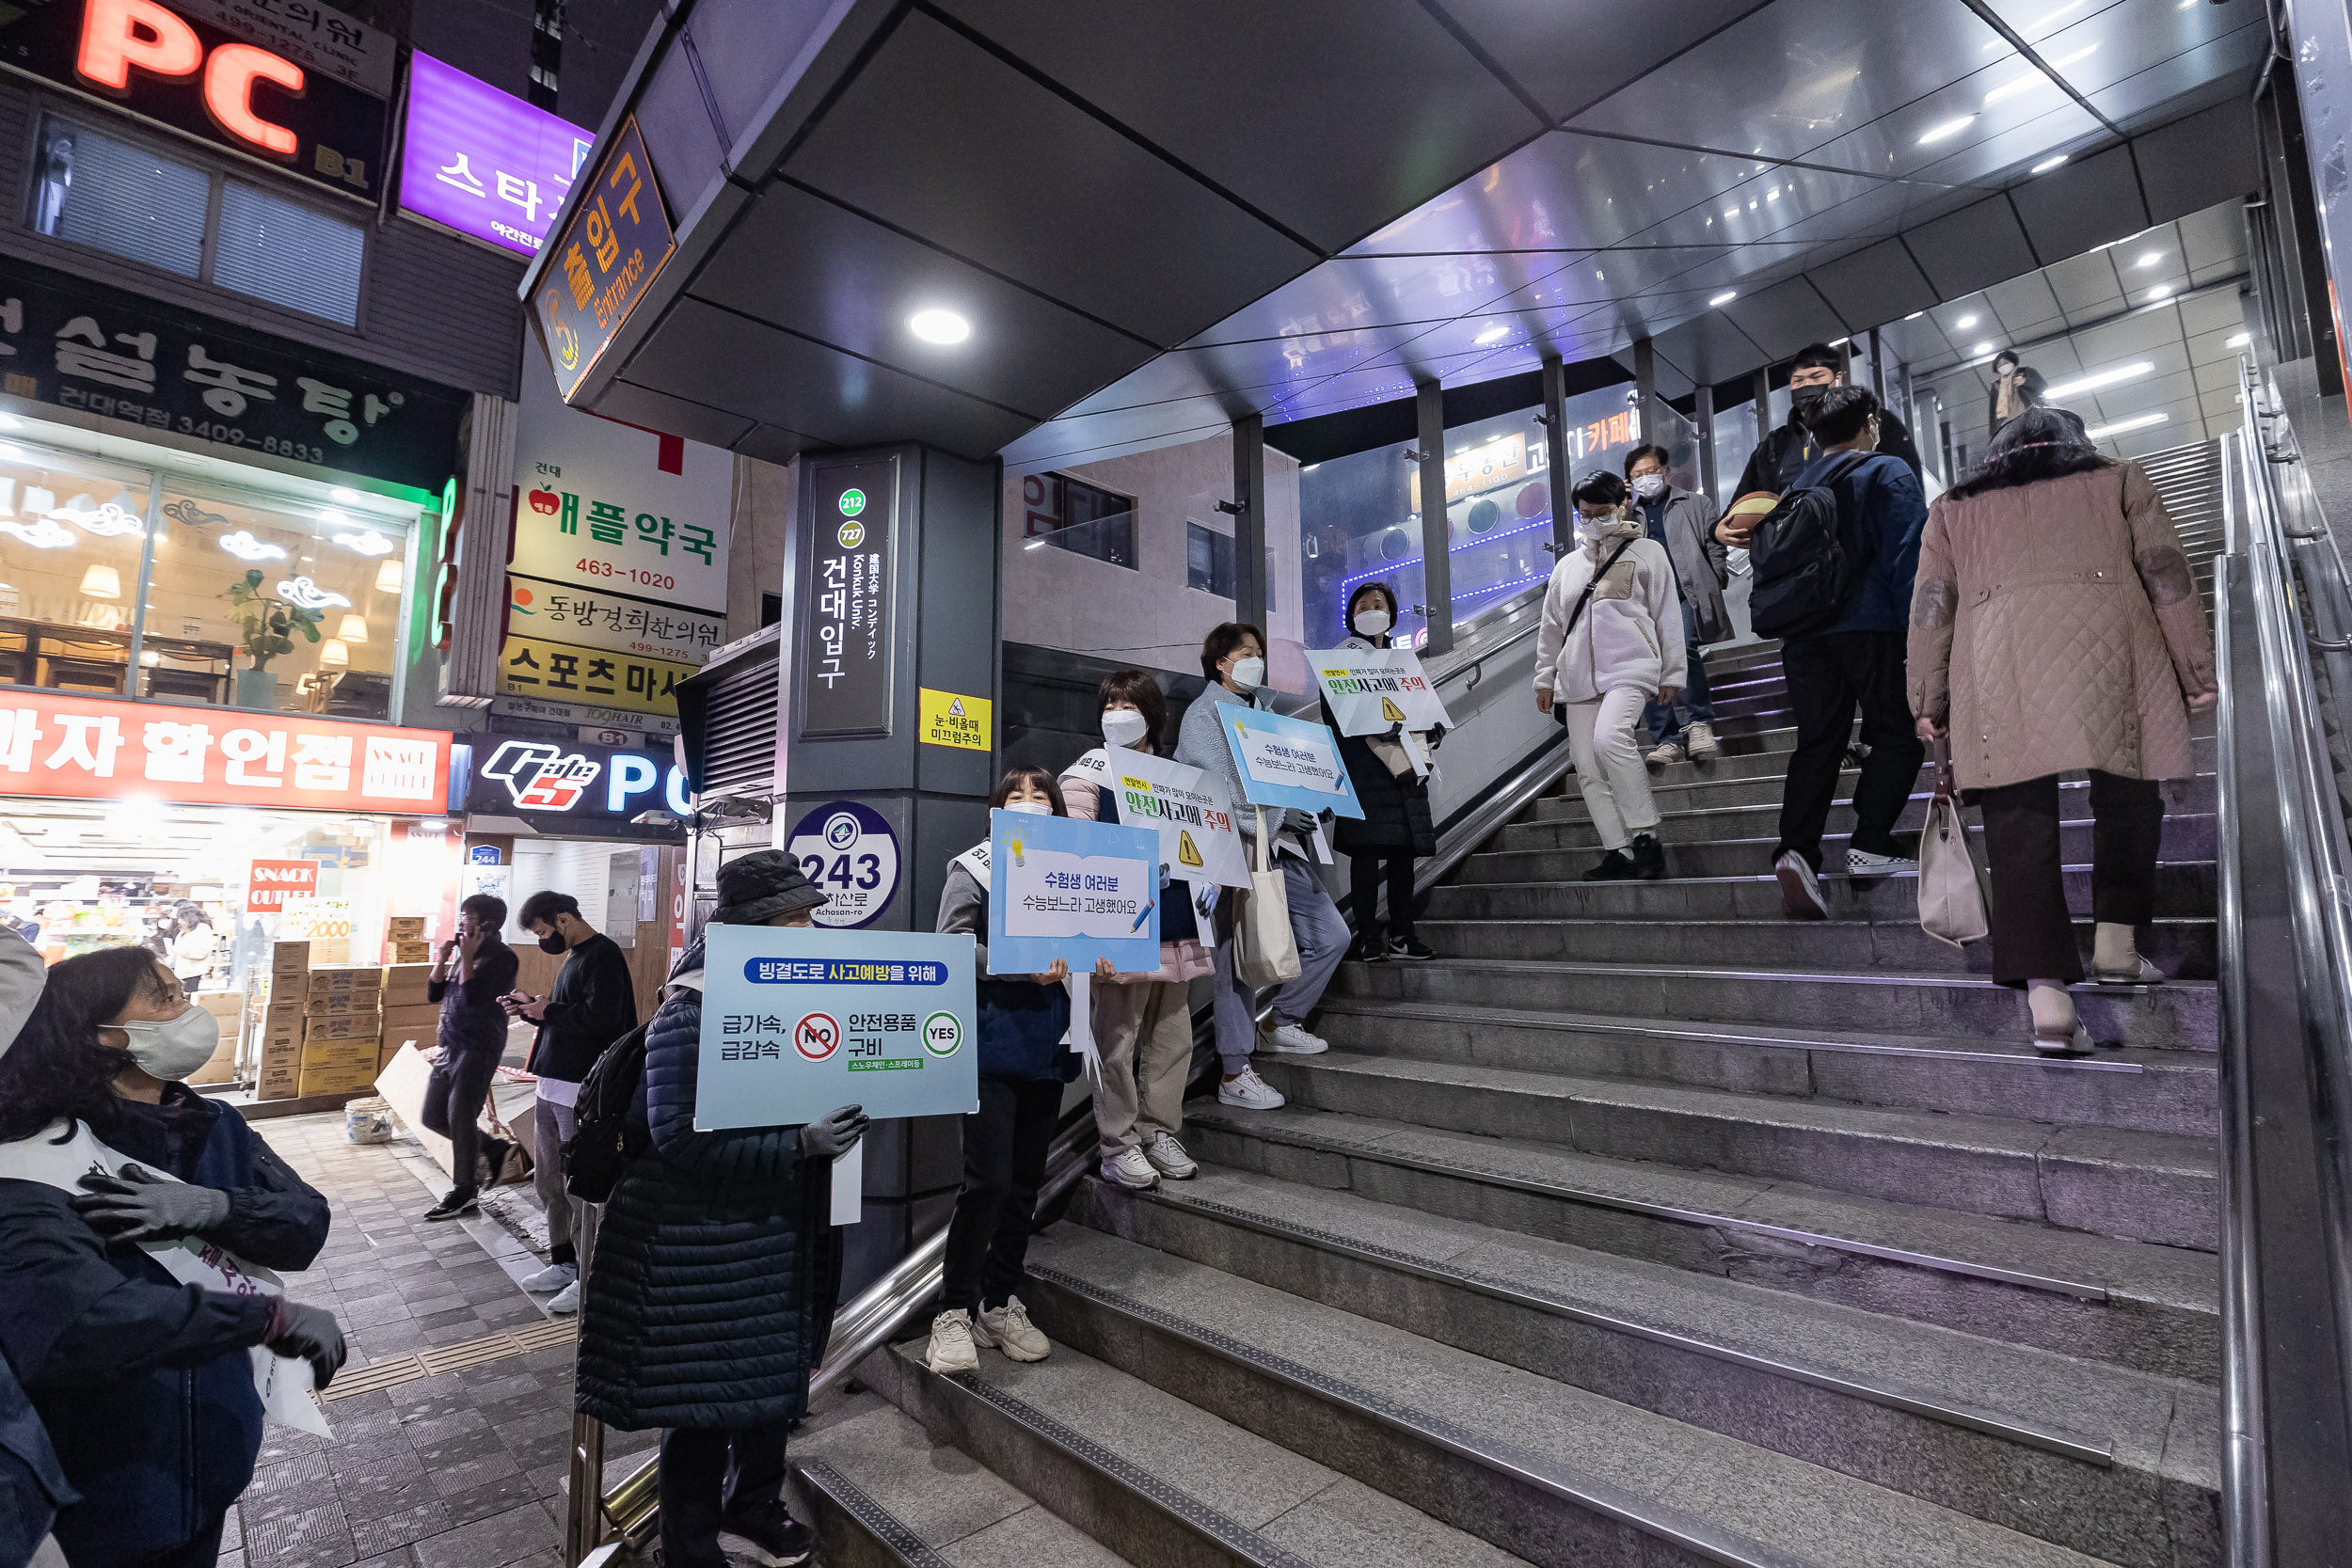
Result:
<point x="482" y="161"/>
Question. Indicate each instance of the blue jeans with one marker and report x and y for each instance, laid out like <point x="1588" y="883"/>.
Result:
<point x="1322" y="936"/>
<point x="1696" y="708"/>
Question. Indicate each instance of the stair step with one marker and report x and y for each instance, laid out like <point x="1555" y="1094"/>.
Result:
<point x="2195" y="795"/>
<point x="2132" y="1303"/>
<point x="1159" y="1480"/>
<point x="2116" y="1181"/>
<point x="2184" y="890"/>
<point x="1552" y="1473"/>
<point x="2062" y="1448"/>
<point x="2178" y="1015"/>
<point x="2156" y="1092"/>
<point x="1701" y="841"/>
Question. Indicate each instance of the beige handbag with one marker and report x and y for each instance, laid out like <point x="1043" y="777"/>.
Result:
<point x="1265" y="951"/>
<point x="1952" y="897"/>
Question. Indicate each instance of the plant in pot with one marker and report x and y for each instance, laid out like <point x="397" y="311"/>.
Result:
<point x="269" y="624"/>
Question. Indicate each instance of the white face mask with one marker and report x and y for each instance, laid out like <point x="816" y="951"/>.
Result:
<point x="176" y="1047"/>
<point x="1371" y="623"/>
<point x="1030" y="808"/>
<point x="1123" y="726"/>
<point x="1650" y="486"/>
<point x="1248" y="674"/>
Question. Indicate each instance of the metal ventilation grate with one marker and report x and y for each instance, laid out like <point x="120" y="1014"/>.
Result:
<point x="739" y="722"/>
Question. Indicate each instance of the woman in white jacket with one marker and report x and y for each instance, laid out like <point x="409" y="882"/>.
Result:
<point x="1604" y="655"/>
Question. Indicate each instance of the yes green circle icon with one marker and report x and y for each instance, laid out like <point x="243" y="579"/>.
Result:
<point x="851" y="535"/>
<point x="852" y="502"/>
<point x="943" y="1034"/>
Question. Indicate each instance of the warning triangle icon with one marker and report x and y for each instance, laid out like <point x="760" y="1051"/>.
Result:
<point x="1391" y="712"/>
<point x="955" y="708"/>
<point x="1186" y="850"/>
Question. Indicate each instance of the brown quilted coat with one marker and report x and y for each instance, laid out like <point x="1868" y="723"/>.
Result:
<point x="2057" y="626"/>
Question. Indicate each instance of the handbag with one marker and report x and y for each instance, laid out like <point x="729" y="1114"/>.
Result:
<point x="1951" y="896"/>
<point x="1265" y="951"/>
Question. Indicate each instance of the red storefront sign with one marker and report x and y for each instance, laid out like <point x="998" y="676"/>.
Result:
<point x="269" y="883"/>
<point x="83" y="749"/>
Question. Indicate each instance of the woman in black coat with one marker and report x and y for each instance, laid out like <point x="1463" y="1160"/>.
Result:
<point x="1396" y="828"/>
<point x="717" y="1271"/>
<point x="145" y="1382"/>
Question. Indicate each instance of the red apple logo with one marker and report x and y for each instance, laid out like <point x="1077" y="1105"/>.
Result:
<point x="543" y="502"/>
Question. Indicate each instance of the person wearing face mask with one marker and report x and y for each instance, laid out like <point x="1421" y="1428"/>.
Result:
<point x="1142" y="1022"/>
<point x="1025" y="1060"/>
<point x="1611" y="642"/>
<point x="142" y="1372"/>
<point x="1684" y="523"/>
<point x="1396" y="828"/>
<point x="1233" y="656"/>
<point x="471" y="980"/>
<point x="2015" y="388"/>
<point x="592" y="1004"/>
<point x="1784" y="451"/>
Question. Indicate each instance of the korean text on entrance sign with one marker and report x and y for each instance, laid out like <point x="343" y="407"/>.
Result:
<point x="797" y="1021"/>
<point x="607" y="258"/>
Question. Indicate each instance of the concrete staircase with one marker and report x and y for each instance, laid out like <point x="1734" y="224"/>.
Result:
<point x="1642" y="1227"/>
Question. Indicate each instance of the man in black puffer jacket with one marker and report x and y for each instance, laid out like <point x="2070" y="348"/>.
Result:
<point x="717" y="1271"/>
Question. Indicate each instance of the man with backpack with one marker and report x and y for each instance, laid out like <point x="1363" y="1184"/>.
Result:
<point x="1834" y="565"/>
<point x="1787" y="451"/>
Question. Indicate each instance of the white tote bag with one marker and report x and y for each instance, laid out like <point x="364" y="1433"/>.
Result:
<point x="1952" y="898"/>
<point x="1265" y="951"/>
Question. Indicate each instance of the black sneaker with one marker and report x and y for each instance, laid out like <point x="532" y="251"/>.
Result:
<point x="1367" y="949"/>
<point x="773" y="1537"/>
<point x="1615" y="866"/>
<point x="1411" y="948"/>
<point x="461" y="1200"/>
<point x="1649" y="857"/>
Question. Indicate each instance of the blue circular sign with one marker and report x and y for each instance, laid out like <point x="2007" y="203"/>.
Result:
<point x="849" y="851"/>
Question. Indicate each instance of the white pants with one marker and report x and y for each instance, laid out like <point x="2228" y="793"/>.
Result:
<point x="1608" y="765"/>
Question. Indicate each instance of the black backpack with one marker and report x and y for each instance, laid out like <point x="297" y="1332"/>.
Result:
<point x="601" y="1145"/>
<point x="1809" y="558"/>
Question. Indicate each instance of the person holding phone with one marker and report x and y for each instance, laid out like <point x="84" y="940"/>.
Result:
<point x="470" y="979"/>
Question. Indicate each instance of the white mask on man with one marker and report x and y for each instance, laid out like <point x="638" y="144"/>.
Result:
<point x="1650" y="486"/>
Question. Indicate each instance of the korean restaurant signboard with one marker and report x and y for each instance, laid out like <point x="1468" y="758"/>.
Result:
<point x="484" y="162"/>
<point x="83" y="346"/>
<point x="268" y="79"/>
<point x="82" y="749"/>
<point x="843" y="666"/>
<point x="607" y="256"/>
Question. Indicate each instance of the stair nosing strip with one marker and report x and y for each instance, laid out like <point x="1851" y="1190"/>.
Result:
<point x="1752" y="877"/>
<point x="1833" y="977"/>
<point x="1464" y="1169"/>
<point x="895" y="1535"/>
<point x="1602" y="1497"/>
<point x="2053" y="1439"/>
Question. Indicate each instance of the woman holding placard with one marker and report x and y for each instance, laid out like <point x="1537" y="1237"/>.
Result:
<point x="1024" y="1061"/>
<point x="1396" y="828"/>
<point x="1142" y="1022"/>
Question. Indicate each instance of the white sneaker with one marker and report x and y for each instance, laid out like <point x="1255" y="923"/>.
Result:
<point x="1665" y="757"/>
<point x="1250" y="1091"/>
<point x="1800" y="888"/>
<point x="1700" y="738"/>
<point x="553" y="1278"/>
<point x="951" y="1348"/>
<point x="1860" y="863"/>
<point x="566" y="1301"/>
<point x="1007" y="1328"/>
<point x="1292" y="1039"/>
<point x="1129" y="1168"/>
<point x="1168" y="1158"/>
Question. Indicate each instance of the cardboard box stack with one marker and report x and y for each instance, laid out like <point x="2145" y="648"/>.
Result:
<point x="342" y="1028"/>
<point x="228" y="1008"/>
<point x="281" y="1022"/>
<point x="409" y="1017"/>
<point x="404" y="939"/>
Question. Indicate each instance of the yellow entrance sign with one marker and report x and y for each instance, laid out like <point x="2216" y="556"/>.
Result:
<point x="1187" y="851"/>
<point x="947" y="719"/>
<point x="1390" y="711"/>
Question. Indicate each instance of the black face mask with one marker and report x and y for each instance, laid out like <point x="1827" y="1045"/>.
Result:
<point x="554" y="943"/>
<point x="1806" y="398"/>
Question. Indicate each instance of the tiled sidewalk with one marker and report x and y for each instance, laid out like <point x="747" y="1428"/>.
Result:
<point x="462" y="1470"/>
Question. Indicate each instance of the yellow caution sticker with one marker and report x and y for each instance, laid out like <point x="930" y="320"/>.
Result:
<point x="949" y="719"/>
<point x="1187" y="851"/>
<point x="1390" y="711"/>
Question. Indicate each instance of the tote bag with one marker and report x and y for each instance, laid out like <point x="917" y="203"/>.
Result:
<point x="1951" y="899"/>
<point x="1265" y="951"/>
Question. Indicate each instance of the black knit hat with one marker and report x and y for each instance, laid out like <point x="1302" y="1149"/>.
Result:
<point x="761" y="886"/>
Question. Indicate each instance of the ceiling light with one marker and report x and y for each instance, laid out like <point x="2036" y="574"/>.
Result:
<point x="333" y="655"/>
<point x="2150" y="260"/>
<point x="1914" y="315"/>
<point x="939" y="327"/>
<point x="2138" y="422"/>
<point x="346" y="494"/>
<point x="2046" y="165"/>
<point x="2080" y="385"/>
<point x="1034" y="545"/>
<point x="354" y="630"/>
<point x="2162" y="290"/>
<point x="1965" y="323"/>
<point x="2240" y="340"/>
<point x="1494" y="334"/>
<point x="1732" y="211"/>
<point x="1723" y="298"/>
<point x="388" y="578"/>
<point x="102" y="582"/>
<point x="2016" y="85"/>
<point x="1949" y="128"/>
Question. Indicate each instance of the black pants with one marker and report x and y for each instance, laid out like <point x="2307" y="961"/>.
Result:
<point x="202" y="1551"/>
<point x="1005" y="1144"/>
<point x="2033" y="933"/>
<point x="710" y="1478"/>
<point x="1828" y="678"/>
<point x="1364" y="875"/>
<point x="453" y="1106"/>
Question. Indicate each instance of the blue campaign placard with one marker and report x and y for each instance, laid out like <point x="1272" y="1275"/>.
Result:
<point x="799" y="1020"/>
<point x="1288" y="761"/>
<point x="1061" y="888"/>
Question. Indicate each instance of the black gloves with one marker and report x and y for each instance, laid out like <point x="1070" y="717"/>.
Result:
<point x="310" y="1333"/>
<point x="140" y="1206"/>
<point x="832" y="1136"/>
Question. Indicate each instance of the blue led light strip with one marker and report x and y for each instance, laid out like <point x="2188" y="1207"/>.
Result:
<point x="1455" y="549"/>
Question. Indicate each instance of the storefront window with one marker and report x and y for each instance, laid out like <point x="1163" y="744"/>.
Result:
<point x="72" y="535"/>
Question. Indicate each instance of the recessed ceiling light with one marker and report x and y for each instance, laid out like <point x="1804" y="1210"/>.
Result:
<point x="2162" y="290"/>
<point x="2032" y="79"/>
<point x="2240" y="340"/>
<point x="2150" y="260"/>
<point x="1914" y="315"/>
<point x="1965" y="323"/>
<point x="1949" y="128"/>
<point x="1982" y="348"/>
<point x="939" y="327"/>
<point x="1494" y="334"/>
<point x="1723" y="298"/>
<point x="2046" y="165"/>
<point x="2138" y="422"/>
<point x="2080" y="385"/>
